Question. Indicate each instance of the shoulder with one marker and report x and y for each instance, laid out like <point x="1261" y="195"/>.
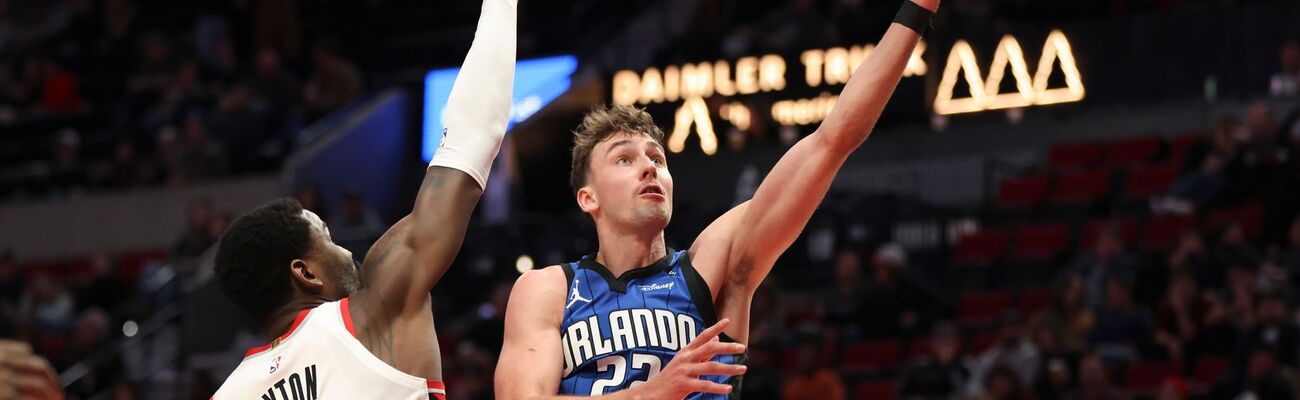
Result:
<point x="538" y="293"/>
<point x="541" y="279"/>
<point x="541" y="284"/>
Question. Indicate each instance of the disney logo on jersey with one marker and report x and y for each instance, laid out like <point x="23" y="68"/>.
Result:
<point x="657" y="286"/>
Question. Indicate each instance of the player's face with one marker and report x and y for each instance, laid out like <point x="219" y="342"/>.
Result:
<point x="338" y="270"/>
<point x="629" y="182"/>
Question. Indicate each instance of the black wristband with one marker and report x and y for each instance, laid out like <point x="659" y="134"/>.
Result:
<point x="914" y="17"/>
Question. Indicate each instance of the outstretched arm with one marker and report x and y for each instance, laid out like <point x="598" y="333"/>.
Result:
<point x="413" y="255"/>
<point x="793" y="189"/>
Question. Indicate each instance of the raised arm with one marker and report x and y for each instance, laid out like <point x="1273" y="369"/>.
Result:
<point x="413" y="255"/>
<point x="795" y="187"/>
<point x="531" y="363"/>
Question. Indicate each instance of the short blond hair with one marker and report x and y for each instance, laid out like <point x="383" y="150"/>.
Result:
<point x="597" y="126"/>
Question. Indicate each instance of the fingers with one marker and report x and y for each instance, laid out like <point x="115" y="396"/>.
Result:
<point x="26" y="375"/>
<point x="717" y="368"/>
<point x="709" y="334"/>
<point x="716" y="347"/>
<point x="700" y="386"/>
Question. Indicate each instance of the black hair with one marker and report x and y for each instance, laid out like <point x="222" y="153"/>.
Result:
<point x="253" y="256"/>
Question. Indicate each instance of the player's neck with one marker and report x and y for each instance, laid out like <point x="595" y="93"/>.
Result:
<point x="622" y="251"/>
<point x="283" y="319"/>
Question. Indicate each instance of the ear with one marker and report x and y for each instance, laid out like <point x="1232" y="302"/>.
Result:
<point x="302" y="274"/>
<point x="587" y="200"/>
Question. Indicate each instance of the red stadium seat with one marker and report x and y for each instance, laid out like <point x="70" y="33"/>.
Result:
<point x="871" y="390"/>
<point x="983" y="342"/>
<point x="130" y="264"/>
<point x="1034" y="300"/>
<point x="870" y="357"/>
<point x="1209" y="370"/>
<point x="1072" y="156"/>
<point x="1127" y="231"/>
<point x="1131" y="151"/>
<point x="1162" y="231"/>
<point x="982" y="308"/>
<point x="980" y="247"/>
<point x="1250" y="216"/>
<point x="1182" y="145"/>
<point x="1076" y="187"/>
<point x="1151" y="180"/>
<point x="1147" y="376"/>
<point x="918" y="347"/>
<point x="1026" y="191"/>
<point x="1040" y="242"/>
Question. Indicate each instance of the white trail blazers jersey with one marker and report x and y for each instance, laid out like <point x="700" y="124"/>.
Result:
<point x="320" y="358"/>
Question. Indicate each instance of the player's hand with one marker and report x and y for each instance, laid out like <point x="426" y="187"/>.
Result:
<point x="682" y="375"/>
<point x="24" y="375"/>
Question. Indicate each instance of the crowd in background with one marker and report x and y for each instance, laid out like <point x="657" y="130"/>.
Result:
<point x="111" y="95"/>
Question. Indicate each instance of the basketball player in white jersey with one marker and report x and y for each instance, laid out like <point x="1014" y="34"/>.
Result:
<point x="343" y="331"/>
<point x="577" y="324"/>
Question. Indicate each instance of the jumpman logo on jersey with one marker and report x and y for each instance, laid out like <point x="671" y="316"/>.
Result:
<point x="576" y="296"/>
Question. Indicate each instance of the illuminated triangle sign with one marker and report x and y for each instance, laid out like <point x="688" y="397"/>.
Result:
<point x="985" y="92"/>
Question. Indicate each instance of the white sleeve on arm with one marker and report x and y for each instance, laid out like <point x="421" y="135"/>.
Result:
<point x="479" y="106"/>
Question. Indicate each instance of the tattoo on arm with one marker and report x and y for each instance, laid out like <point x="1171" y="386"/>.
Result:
<point x="377" y="332"/>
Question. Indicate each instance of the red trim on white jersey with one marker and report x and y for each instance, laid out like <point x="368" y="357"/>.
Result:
<point x="347" y="316"/>
<point x="437" y="389"/>
<point x="296" y="321"/>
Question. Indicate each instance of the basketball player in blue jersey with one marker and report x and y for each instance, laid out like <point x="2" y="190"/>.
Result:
<point x="629" y="321"/>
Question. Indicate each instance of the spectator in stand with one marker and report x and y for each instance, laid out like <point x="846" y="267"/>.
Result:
<point x="274" y="88"/>
<point x="814" y="380"/>
<point x="59" y="93"/>
<point x="1177" y="326"/>
<point x="1197" y="189"/>
<point x="1286" y="82"/>
<point x="356" y="224"/>
<point x="309" y="196"/>
<point x="18" y="88"/>
<point x="1123" y="327"/>
<point x="1014" y="351"/>
<point x="1094" y="382"/>
<point x="1107" y="260"/>
<point x="1234" y="248"/>
<point x="1273" y="329"/>
<point x="1262" y="378"/>
<point x="1289" y="256"/>
<point x="202" y="156"/>
<point x="1054" y="377"/>
<point x="67" y="175"/>
<point x="1266" y="158"/>
<point x="334" y="81"/>
<point x="895" y="303"/>
<point x="198" y="235"/>
<point x="167" y="149"/>
<point x="127" y="169"/>
<point x="843" y="304"/>
<point x="1191" y="257"/>
<point x="1069" y="314"/>
<point x="1002" y="384"/>
<point x="102" y="289"/>
<point x="939" y="374"/>
<point x="46" y="306"/>
<point x="1239" y="296"/>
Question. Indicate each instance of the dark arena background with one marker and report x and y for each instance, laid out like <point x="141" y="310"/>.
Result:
<point x="1029" y="145"/>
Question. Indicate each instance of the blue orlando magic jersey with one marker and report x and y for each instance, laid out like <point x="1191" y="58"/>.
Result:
<point x="618" y="332"/>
